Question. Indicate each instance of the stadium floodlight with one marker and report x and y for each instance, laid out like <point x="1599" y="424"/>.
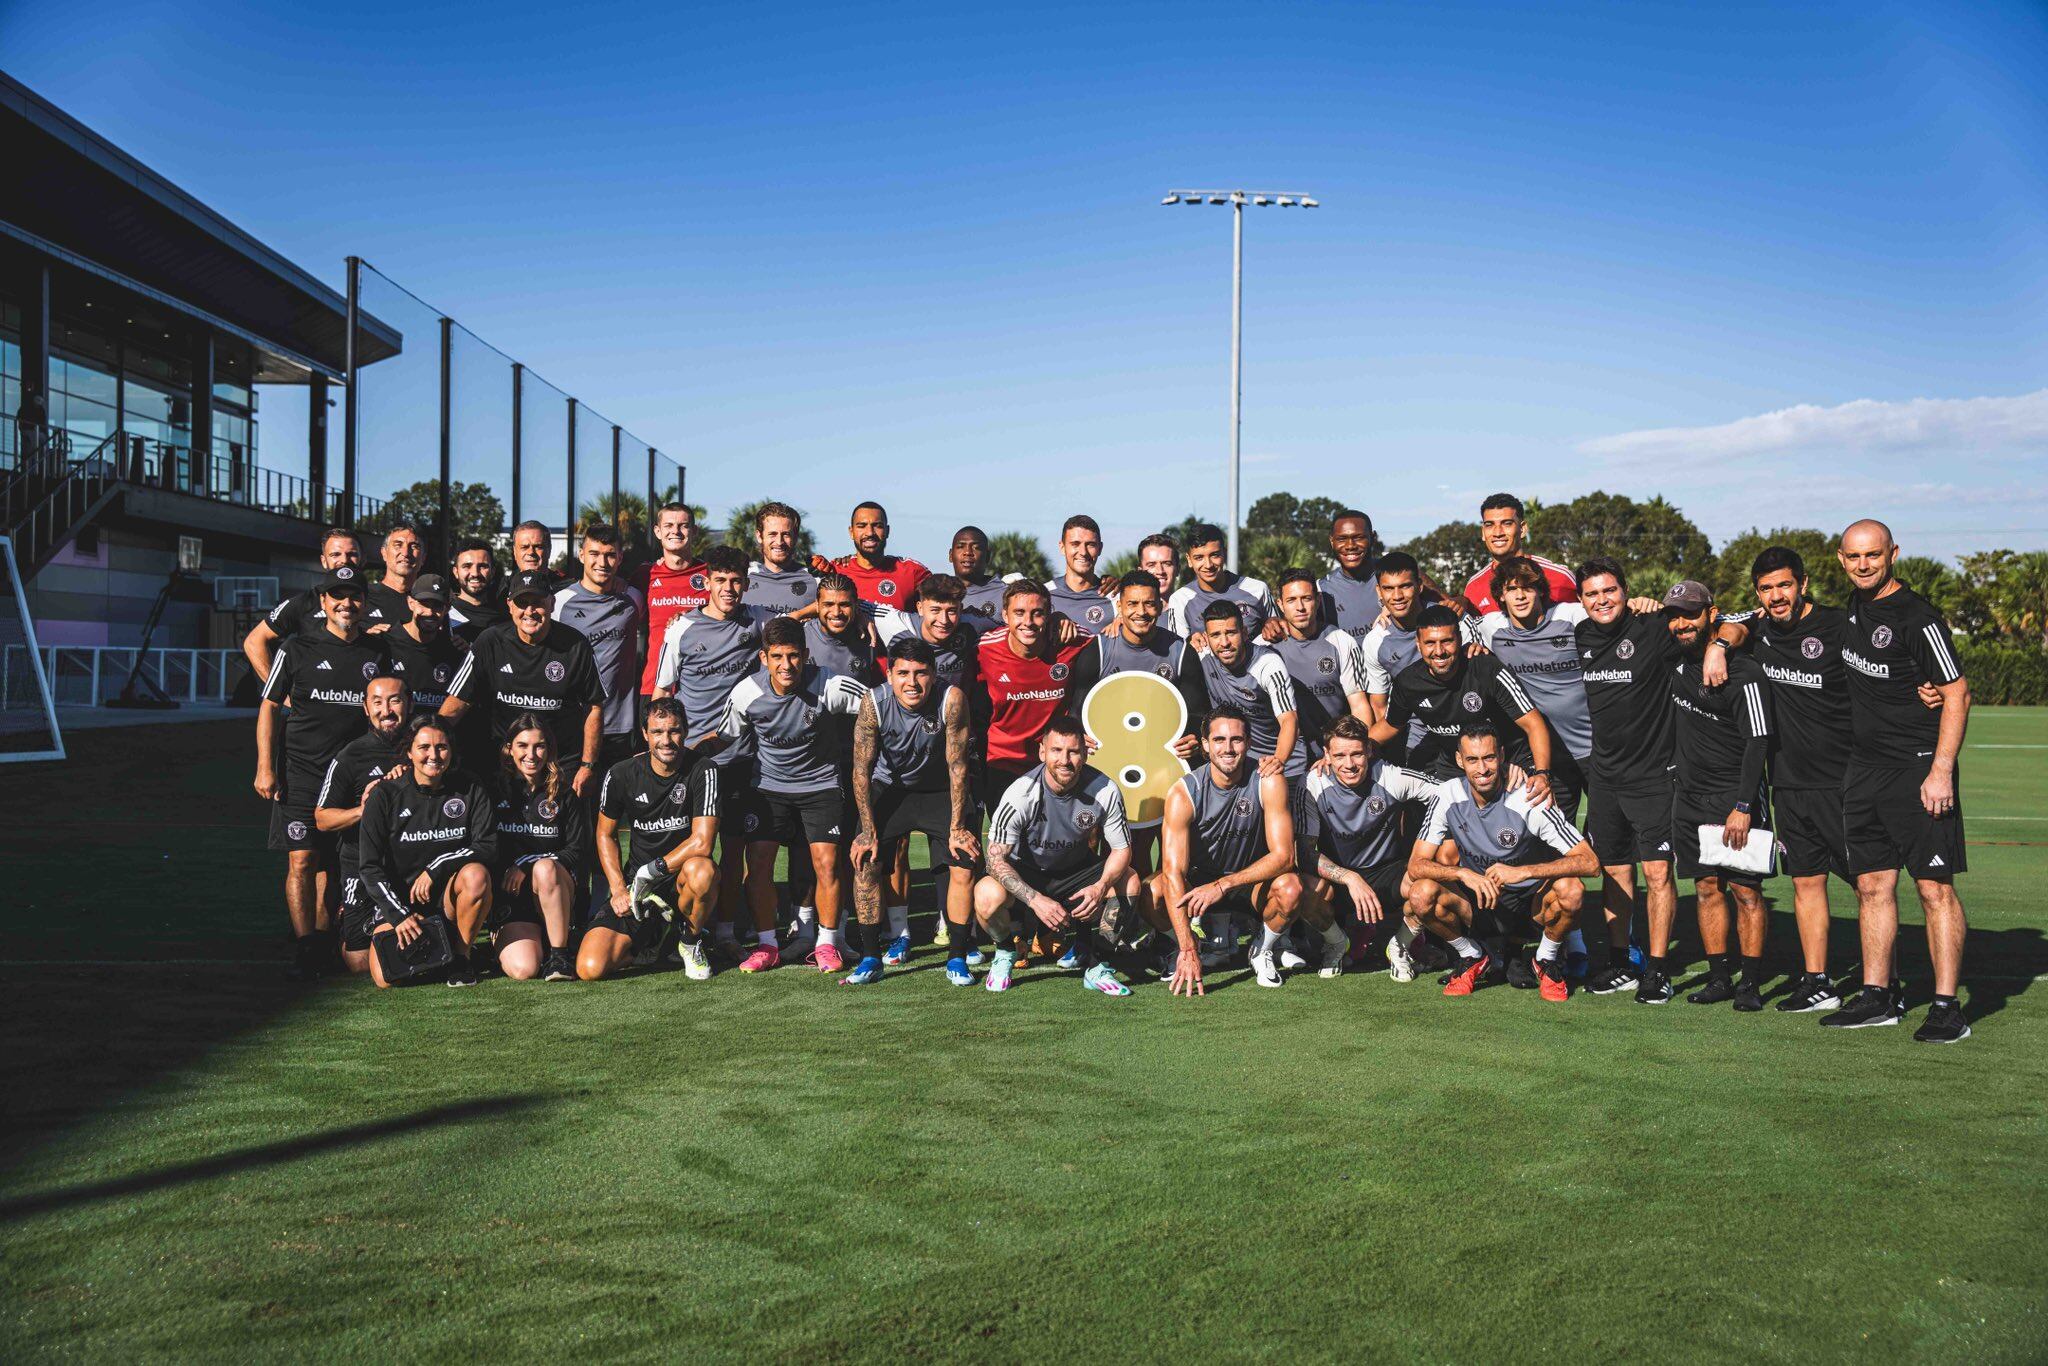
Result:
<point x="1237" y="200"/>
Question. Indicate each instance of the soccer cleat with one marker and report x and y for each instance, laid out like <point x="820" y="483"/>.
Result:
<point x="1291" y="959"/>
<point x="1717" y="990"/>
<point x="462" y="973"/>
<point x="999" y="969"/>
<point x="1267" y="971"/>
<point x="867" y="970"/>
<point x="696" y="962"/>
<point x="1653" y="989"/>
<point x="1102" y="978"/>
<point x="1428" y="955"/>
<point x="1944" y="1024"/>
<point x="1333" y="960"/>
<point x="1550" y="984"/>
<point x="1400" y="966"/>
<point x="1872" y="1007"/>
<point x="957" y="973"/>
<point x="760" y="960"/>
<point x="1747" y="998"/>
<point x="1466" y="974"/>
<point x="1070" y="958"/>
<point x="1521" y="974"/>
<point x="1615" y="977"/>
<point x="975" y="957"/>
<point x="557" y="967"/>
<point x="827" y="958"/>
<point x="898" y="952"/>
<point x="796" y="947"/>
<point x="1811" y="992"/>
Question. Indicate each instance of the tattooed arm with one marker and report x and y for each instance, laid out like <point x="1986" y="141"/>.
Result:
<point x="965" y="839"/>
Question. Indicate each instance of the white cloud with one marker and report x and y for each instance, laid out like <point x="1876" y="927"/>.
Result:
<point x="1950" y="427"/>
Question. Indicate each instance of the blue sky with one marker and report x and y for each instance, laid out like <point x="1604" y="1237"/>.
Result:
<point x="1779" y="263"/>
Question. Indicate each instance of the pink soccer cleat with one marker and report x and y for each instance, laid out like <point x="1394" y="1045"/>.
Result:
<point x="827" y="958"/>
<point x="760" y="960"/>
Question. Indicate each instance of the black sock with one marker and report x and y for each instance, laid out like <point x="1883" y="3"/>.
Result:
<point x="959" y="938"/>
<point x="1752" y="969"/>
<point x="867" y="938"/>
<point x="1657" y="964"/>
<point x="1717" y="964"/>
<point x="1944" y="1002"/>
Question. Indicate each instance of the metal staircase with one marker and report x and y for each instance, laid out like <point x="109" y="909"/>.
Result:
<point x="50" y="492"/>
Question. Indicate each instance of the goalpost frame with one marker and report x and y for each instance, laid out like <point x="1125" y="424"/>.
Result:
<point x="28" y="631"/>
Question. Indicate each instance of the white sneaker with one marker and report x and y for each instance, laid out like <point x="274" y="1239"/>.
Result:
<point x="1333" y="959"/>
<point x="696" y="962"/>
<point x="1267" y="971"/>
<point x="1292" y="960"/>
<point x="1400" y="966"/>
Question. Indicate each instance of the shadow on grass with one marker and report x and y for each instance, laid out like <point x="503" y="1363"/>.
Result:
<point x="265" y="1155"/>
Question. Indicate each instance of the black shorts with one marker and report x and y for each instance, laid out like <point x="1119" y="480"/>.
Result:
<point x="902" y="812"/>
<point x="515" y="908"/>
<point x="1888" y="828"/>
<point x="1813" y="839"/>
<point x="1630" y="823"/>
<point x="1567" y="783"/>
<point x="291" y="815"/>
<point x="798" y="817"/>
<point x="1690" y="811"/>
<point x="1385" y="881"/>
<point x="644" y="932"/>
<point x="991" y="782"/>
<point x="356" y="915"/>
<point x="1060" y="886"/>
<point x="1513" y="911"/>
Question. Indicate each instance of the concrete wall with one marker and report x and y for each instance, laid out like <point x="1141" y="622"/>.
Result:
<point x="103" y="597"/>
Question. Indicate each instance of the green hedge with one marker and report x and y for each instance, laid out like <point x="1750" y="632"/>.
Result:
<point x="2005" y="675"/>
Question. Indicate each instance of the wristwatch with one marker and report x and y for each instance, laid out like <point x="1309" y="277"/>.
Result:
<point x="1742" y="808"/>
<point x="1716" y="640"/>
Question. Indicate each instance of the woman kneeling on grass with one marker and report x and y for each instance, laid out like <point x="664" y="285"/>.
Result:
<point x="429" y="838"/>
<point x="542" y="833"/>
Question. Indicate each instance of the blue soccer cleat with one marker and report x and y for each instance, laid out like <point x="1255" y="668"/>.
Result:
<point x="957" y="973"/>
<point x="867" y="970"/>
<point x="898" y="952"/>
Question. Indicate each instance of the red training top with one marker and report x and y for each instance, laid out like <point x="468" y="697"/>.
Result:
<point x="1479" y="592"/>
<point x="892" y="584"/>
<point x="669" y="593"/>
<point x="1020" y="696"/>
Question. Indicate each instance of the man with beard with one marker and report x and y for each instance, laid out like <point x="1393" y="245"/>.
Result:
<point x="301" y="611"/>
<point x="779" y="582"/>
<point x="423" y="655"/>
<point x="878" y="577"/>
<point x="668" y="798"/>
<point x="479" y="601"/>
<point x="1077" y="594"/>
<point x="1445" y="692"/>
<point x="363" y="762"/>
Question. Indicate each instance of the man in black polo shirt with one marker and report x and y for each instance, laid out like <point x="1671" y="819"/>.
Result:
<point x="300" y="611"/>
<point x="1900" y="798"/>
<point x="1445" y="693"/>
<point x="425" y="655"/>
<point x="385" y="605"/>
<point x="321" y="676"/>
<point x="535" y="664"/>
<point x="365" y="761"/>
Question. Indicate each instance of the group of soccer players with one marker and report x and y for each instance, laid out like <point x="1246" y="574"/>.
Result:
<point x="592" y="772"/>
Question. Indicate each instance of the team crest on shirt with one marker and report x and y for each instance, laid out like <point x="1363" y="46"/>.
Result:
<point x="1506" y="839"/>
<point x="931" y="725"/>
<point x="296" y="830"/>
<point x="1244" y="806"/>
<point x="1473" y="702"/>
<point x="440" y="673"/>
<point x="1326" y="665"/>
<point x="796" y="590"/>
<point x="1164" y="671"/>
<point x="1059" y="673"/>
<point x="1881" y="637"/>
<point x="455" y="808"/>
<point x="697" y="582"/>
<point x="1376" y="804"/>
<point x="887" y="588"/>
<point x="369" y="668"/>
<point x="1085" y="820"/>
<point x="548" y="808"/>
<point x="1625" y="650"/>
<point x="1810" y="647"/>
<point x="555" y="671"/>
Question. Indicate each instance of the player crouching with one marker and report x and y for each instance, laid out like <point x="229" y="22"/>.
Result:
<point x="1481" y="850"/>
<point x="429" y="838"/>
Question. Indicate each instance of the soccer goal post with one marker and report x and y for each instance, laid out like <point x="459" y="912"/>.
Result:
<point x="28" y="711"/>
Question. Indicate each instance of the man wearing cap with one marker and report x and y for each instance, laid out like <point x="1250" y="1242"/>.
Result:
<point x="535" y="664"/>
<point x="423" y="655"/>
<point x="299" y="613"/>
<point x="608" y="613"/>
<point x="321" y="675"/>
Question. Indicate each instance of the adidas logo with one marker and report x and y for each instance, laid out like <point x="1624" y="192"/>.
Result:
<point x="1936" y="862"/>
<point x="1427" y="702"/>
<point x="1665" y="847"/>
<point x="324" y="665"/>
<point x="403" y="814"/>
<point x="1004" y="678"/>
<point x="640" y="797"/>
<point x="504" y="668"/>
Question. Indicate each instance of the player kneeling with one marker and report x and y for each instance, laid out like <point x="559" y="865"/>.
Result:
<point x="429" y="838"/>
<point x="1228" y="845"/>
<point x="1481" y="859"/>
<point x="543" y="839"/>
<point x="1047" y="858"/>
<point x="667" y="798"/>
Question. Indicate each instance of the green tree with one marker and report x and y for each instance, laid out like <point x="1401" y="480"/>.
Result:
<point x="739" y="530"/>
<point x="1656" y="543"/>
<point x="1825" y="581"/>
<point x="2004" y="595"/>
<point x="473" y="508"/>
<point x="1282" y="514"/>
<point x="1450" y="555"/>
<point x="1018" y="552"/>
<point x="1936" y="582"/>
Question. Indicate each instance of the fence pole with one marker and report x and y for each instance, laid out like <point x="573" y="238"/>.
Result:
<point x="615" y="477"/>
<point x="569" y="524"/>
<point x="444" y="527"/>
<point x="348" y="398"/>
<point x="653" y="503"/>
<point x="518" y="402"/>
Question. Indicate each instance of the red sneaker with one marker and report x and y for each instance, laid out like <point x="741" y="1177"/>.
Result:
<point x="760" y="960"/>
<point x="827" y="958"/>
<point x="1550" y="983"/>
<point x="1465" y="980"/>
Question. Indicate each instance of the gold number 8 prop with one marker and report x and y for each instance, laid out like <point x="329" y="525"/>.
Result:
<point x="1133" y="718"/>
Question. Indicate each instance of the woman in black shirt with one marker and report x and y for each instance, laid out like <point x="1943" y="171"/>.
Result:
<point x="429" y="839"/>
<point x="543" y="833"/>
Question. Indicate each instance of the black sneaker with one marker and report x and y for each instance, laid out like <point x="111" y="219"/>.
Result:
<point x="1811" y="992"/>
<point x="306" y="964"/>
<point x="1717" y="990"/>
<point x="1521" y="974"/>
<point x="1870" y="1007"/>
<point x="557" y="967"/>
<point x="1654" y="989"/>
<point x="462" y="973"/>
<point x="1747" y="997"/>
<point x="1615" y="977"/>
<point x="1944" y="1024"/>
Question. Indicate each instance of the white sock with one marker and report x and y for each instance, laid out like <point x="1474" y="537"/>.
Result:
<point x="899" y="921"/>
<point x="1547" y="949"/>
<point x="767" y="940"/>
<point x="1467" y="947"/>
<point x="1271" y="939"/>
<point x="1574" y="942"/>
<point x="826" y="936"/>
<point x="807" y="916"/>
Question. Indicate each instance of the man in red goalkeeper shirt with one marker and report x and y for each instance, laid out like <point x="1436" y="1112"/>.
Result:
<point x="881" y="578"/>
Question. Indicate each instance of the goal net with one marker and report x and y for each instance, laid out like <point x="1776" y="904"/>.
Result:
<point x="28" y="715"/>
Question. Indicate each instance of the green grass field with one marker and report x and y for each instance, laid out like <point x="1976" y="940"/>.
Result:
<point x="203" y="1162"/>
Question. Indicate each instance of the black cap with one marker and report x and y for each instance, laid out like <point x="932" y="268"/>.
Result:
<point x="1689" y="596"/>
<point x="429" y="588"/>
<point x="343" y="578"/>
<point x="532" y="583"/>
